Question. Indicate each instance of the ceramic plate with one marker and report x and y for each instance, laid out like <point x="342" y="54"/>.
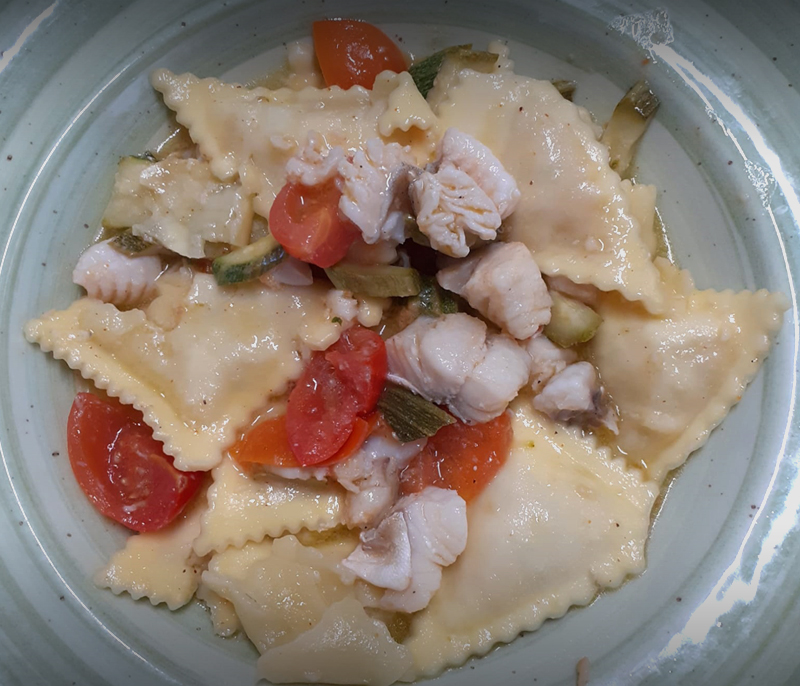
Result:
<point x="719" y="603"/>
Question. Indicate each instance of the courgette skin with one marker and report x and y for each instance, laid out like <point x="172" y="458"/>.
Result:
<point x="249" y="262"/>
<point x="133" y="246"/>
<point x="410" y="415"/>
<point x="377" y="281"/>
<point x="627" y="125"/>
<point x="425" y="71"/>
<point x="435" y="301"/>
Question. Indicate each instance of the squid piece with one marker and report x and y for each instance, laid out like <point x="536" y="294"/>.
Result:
<point x="112" y="277"/>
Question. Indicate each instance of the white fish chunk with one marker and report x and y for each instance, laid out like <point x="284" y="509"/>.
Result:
<point x="371" y="477"/>
<point x="469" y="155"/>
<point x="435" y="355"/>
<point x="575" y="396"/>
<point x="315" y="163"/>
<point x="494" y="382"/>
<point x="451" y="360"/>
<point x="547" y="360"/>
<point x="383" y="557"/>
<point x="290" y="272"/>
<point x="453" y="211"/>
<point x="436" y="521"/>
<point x="502" y="282"/>
<point x="373" y="181"/>
<point x="112" y="277"/>
<point x="374" y="185"/>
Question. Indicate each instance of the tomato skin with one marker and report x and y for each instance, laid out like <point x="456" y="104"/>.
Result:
<point x="336" y="388"/>
<point x="461" y="457"/>
<point x="305" y="220"/>
<point x="352" y="53"/>
<point x="321" y="413"/>
<point x="361" y="361"/>
<point x="268" y="443"/>
<point x="122" y="469"/>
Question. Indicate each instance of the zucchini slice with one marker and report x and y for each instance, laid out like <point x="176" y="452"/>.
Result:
<point x="133" y="246"/>
<point x="410" y="415"/>
<point x="435" y="301"/>
<point x="571" y="321"/>
<point x="425" y="71"/>
<point x="378" y="281"/>
<point x="249" y="262"/>
<point x="627" y="125"/>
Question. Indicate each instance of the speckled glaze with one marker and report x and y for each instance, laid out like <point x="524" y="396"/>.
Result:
<point x="720" y="601"/>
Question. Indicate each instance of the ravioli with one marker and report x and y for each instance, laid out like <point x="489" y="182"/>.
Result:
<point x="575" y="214"/>
<point x="251" y="133"/>
<point x="201" y="381"/>
<point x="561" y="521"/>
<point x="242" y="508"/>
<point x="675" y="377"/>
<point x="568" y="513"/>
<point x="160" y="566"/>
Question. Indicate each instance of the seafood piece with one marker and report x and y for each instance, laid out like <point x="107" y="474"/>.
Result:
<point x="371" y="477"/>
<point x="315" y="163"/>
<point x="373" y="181"/>
<point x="547" y="360"/>
<point x="112" y="277"/>
<point x="575" y="396"/>
<point x="290" y="272"/>
<point x="374" y="187"/>
<point x="464" y="152"/>
<point x="383" y="557"/>
<point x="451" y="360"/>
<point x="453" y="211"/>
<point x="434" y="356"/>
<point x="505" y="285"/>
<point x="436" y="521"/>
<point x="494" y="382"/>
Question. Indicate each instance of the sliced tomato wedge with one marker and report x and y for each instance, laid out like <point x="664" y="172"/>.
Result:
<point x="305" y="220"/>
<point x="122" y="469"/>
<point x="462" y="457"/>
<point x="352" y="53"/>
<point x="336" y="387"/>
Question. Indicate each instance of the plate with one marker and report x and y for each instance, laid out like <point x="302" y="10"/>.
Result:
<point x="720" y="601"/>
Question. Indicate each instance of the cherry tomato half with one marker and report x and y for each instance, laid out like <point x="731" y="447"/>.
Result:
<point x="360" y="359"/>
<point x="461" y="457"/>
<point x="305" y="220"/>
<point x="352" y="53"/>
<point x="268" y="443"/>
<point x="122" y="469"/>
<point x="320" y="414"/>
<point x="336" y="388"/>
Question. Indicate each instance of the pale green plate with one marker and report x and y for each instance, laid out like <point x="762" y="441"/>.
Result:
<point x="720" y="602"/>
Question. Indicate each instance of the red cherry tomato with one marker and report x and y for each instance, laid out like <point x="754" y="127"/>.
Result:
<point x="321" y="413"/>
<point x="336" y="388"/>
<point x="352" y="53"/>
<point x="268" y="443"/>
<point x="461" y="457"/>
<point x="305" y="220"/>
<point x="122" y="469"/>
<point x="360" y="359"/>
